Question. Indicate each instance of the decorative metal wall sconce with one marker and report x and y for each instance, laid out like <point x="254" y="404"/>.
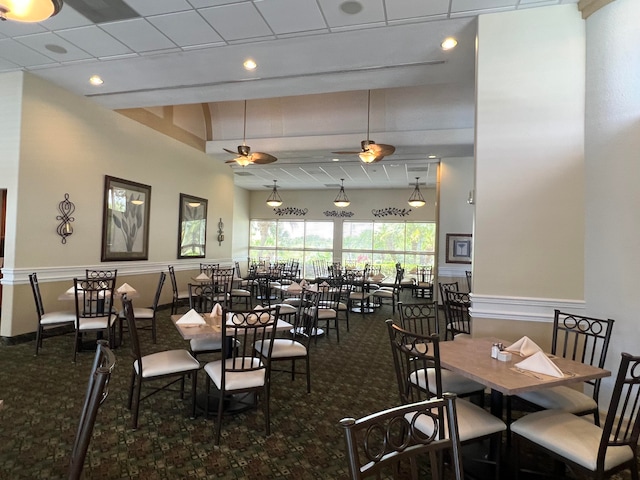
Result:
<point x="471" y="199"/>
<point x="66" y="208"/>
<point x="220" y="232"/>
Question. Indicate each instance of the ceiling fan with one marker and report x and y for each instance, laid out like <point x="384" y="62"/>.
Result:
<point x="371" y="151"/>
<point x="245" y="156"/>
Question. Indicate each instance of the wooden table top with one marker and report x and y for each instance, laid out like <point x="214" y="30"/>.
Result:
<point x="210" y="329"/>
<point x="471" y="358"/>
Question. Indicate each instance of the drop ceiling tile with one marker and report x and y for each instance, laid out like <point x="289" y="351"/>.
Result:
<point x="186" y="28"/>
<point x="157" y="7"/>
<point x="95" y="41"/>
<point x="66" y="18"/>
<point x="22" y="55"/>
<point x="138" y="34"/>
<point x="213" y="3"/>
<point x="372" y="12"/>
<point x="6" y="65"/>
<point x="400" y="9"/>
<point x="278" y="14"/>
<point x="55" y="47"/>
<point x="16" y="29"/>
<point x="475" y="5"/>
<point x="236" y="21"/>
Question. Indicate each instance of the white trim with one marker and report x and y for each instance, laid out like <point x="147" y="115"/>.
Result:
<point x="521" y="308"/>
<point x="20" y="276"/>
<point x="454" y="271"/>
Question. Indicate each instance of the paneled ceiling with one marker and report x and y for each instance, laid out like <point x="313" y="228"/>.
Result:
<point x="327" y="53"/>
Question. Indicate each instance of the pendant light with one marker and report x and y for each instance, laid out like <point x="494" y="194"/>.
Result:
<point x="30" y="11"/>
<point x="416" y="199"/>
<point x="341" y="200"/>
<point x="274" y="199"/>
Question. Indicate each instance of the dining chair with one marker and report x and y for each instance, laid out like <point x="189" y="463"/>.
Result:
<point x="180" y="297"/>
<point x="202" y="298"/>
<point x="91" y="274"/>
<point x="208" y="268"/>
<point x="390" y="292"/>
<point x="355" y="281"/>
<point x="293" y="346"/>
<point x="97" y="392"/>
<point x="423" y="282"/>
<point x="222" y="281"/>
<point x="145" y="313"/>
<point x="469" y="278"/>
<point x="51" y="322"/>
<point x="445" y="286"/>
<point x="583" y="339"/>
<point x="163" y="366"/>
<point x="241" y="371"/>
<point x="588" y="449"/>
<point x="94" y="309"/>
<point x="327" y="311"/>
<point x="419" y="376"/>
<point x="380" y="444"/>
<point x="456" y="307"/>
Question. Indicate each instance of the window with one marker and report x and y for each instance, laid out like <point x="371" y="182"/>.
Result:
<point x="383" y="244"/>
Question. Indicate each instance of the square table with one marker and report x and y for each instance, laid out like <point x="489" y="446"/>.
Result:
<point x="471" y="358"/>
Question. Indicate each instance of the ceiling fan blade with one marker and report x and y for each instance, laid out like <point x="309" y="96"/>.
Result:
<point x="346" y="153"/>
<point x="232" y="152"/>
<point x="381" y="150"/>
<point x="260" y="158"/>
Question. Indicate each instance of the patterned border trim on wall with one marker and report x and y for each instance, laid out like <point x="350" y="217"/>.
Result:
<point x="336" y="213"/>
<point x="290" y="211"/>
<point x="389" y="211"/>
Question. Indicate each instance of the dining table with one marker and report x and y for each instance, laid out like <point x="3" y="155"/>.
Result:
<point x="471" y="358"/>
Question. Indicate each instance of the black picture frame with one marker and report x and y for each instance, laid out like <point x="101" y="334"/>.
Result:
<point x="125" y="220"/>
<point x="459" y="248"/>
<point x="192" y="227"/>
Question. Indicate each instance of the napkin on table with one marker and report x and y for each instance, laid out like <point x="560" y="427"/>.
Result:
<point x="216" y="311"/>
<point x="191" y="318"/>
<point x="203" y="276"/>
<point x="294" y="287"/>
<point x="524" y="347"/>
<point x="540" y="363"/>
<point x="303" y="283"/>
<point x="126" y="288"/>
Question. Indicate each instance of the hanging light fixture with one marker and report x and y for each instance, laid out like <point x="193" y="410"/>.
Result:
<point x="274" y="199"/>
<point x="29" y="10"/>
<point x="416" y="199"/>
<point x="341" y="200"/>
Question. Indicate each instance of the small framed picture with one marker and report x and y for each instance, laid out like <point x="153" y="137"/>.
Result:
<point x="125" y="220"/>
<point x="459" y="246"/>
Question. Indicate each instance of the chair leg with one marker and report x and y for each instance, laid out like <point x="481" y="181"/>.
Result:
<point x="194" y="382"/>
<point x="76" y="344"/>
<point x="216" y="440"/>
<point x="131" y="386"/>
<point x="136" y="404"/>
<point x="308" y="367"/>
<point x="38" y="337"/>
<point x="153" y="328"/>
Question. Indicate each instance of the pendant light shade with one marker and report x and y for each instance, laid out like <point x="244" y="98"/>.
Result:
<point x="274" y="199"/>
<point x="416" y="199"/>
<point x="29" y="10"/>
<point x="341" y="200"/>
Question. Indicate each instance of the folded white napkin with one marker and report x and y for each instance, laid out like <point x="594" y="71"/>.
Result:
<point x="377" y="278"/>
<point x="540" y="363"/>
<point x="294" y="287"/>
<point x="191" y="318"/>
<point x="72" y="291"/>
<point x="126" y="288"/>
<point x="303" y="283"/>
<point x="314" y="287"/>
<point x="524" y="347"/>
<point x="324" y="285"/>
<point x="216" y="311"/>
<point x="203" y="276"/>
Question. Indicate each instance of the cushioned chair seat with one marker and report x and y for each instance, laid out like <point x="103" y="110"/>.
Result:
<point x="96" y="323"/>
<point x="58" y="317"/>
<point x="451" y="382"/>
<point x="282" y="348"/>
<point x="287" y="309"/>
<point x="324" y="313"/>
<point x="473" y="422"/>
<point x="575" y="438"/>
<point x="383" y="293"/>
<point x="236" y="380"/>
<point x="239" y="292"/>
<point x="562" y="398"/>
<point x="166" y="363"/>
<point x="205" y="344"/>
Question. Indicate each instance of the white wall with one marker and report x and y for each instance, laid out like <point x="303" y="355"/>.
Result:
<point x="612" y="248"/>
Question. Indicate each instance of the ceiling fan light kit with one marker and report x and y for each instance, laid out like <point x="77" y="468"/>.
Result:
<point x="274" y="199"/>
<point x="30" y="11"/>
<point x="341" y="200"/>
<point x="416" y="199"/>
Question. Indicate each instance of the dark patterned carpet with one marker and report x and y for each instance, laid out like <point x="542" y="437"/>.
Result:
<point x="43" y="396"/>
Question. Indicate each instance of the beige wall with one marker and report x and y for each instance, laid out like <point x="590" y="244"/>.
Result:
<point x="529" y="211"/>
<point x="67" y="144"/>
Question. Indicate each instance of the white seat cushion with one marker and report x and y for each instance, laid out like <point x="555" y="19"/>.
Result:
<point x="383" y="293"/>
<point x="239" y="292"/>
<point x="236" y="380"/>
<point x="324" y="313"/>
<point x="52" y="318"/>
<point x="451" y="382"/>
<point x="166" y="362"/>
<point x="204" y="344"/>
<point x="575" y="438"/>
<point x="473" y="422"/>
<point x="96" y="323"/>
<point x="286" y="309"/>
<point x="562" y="398"/>
<point x="282" y="348"/>
<point x="183" y="294"/>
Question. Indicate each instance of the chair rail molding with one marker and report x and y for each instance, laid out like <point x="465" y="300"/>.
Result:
<point x="521" y="308"/>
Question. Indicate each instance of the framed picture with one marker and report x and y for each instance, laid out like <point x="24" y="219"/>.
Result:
<point x="125" y="220"/>
<point x="459" y="247"/>
<point x="192" y="231"/>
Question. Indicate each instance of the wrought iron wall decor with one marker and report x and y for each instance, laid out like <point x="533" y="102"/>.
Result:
<point x="335" y="213"/>
<point x="66" y="208"/>
<point x="220" y="232"/>
<point x="389" y="211"/>
<point x="290" y="211"/>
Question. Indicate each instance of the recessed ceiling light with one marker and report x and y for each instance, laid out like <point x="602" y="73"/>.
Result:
<point x="449" y="43"/>
<point x="335" y="159"/>
<point x="249" y="64"/>
<point x="432" y="156"/>
<point x="351" y="7"/>
<point x="95" y="80"/>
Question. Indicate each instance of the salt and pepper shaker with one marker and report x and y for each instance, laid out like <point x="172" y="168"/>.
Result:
<point x="496" y="348"/>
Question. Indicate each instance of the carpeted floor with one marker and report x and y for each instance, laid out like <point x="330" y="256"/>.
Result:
<point x="43" y="396"/>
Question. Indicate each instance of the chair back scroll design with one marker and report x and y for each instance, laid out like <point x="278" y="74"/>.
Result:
<point x="380" y="443"/>
<point x="456" y="308"/>
<point x="420" y="317"/>
<point x="94" y="307"/>
<point x="97" y="392"/>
